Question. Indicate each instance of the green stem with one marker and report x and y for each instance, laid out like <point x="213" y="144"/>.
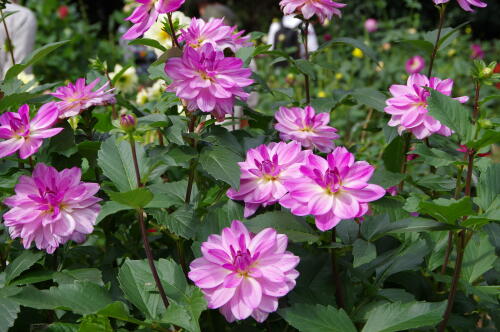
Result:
<point x="193" y="163"/>
<point x="174" y="35"/>
<point x="9" y="41"/>
<point x="404" y="164"/>
<point x="442" y="11"/>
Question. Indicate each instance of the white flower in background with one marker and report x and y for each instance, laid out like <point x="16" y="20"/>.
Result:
<point x="27" y="78"/>
<point x="128" y="81"/>
<point x="152" y="93"/>
<point x="142" y="97"/>
<point x="157" y="33"/>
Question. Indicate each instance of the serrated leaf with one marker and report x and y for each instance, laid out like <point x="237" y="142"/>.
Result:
<point x="70" y="276"/>
<point x="394" y="154"/>
<point x="479" y="258"/>
<point x="447" y="210"/>
<point x="363" y="252"/>
<point x="434" y="157"/>
<point x="487" y="138"/>
<point x="8" y="313"/>
<point x="137" y="198"/>
<point x="488" y="187"/>
<point x="22" y="263"/>
<point x="180" y="222"/>
<point x="294" y="227"/>
<point x="314" y="318"/>
<point x="393" y="317"/>
<point x="451" y="113"/>
<point x="222" y="164"/>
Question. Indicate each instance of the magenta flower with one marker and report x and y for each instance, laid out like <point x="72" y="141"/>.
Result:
<point x="325" y="9"/>
<point x="311" y="130"/>
<point x="146" y="14"/>
<point x="477" y="51"/>
<point x="263" y="174"/>
<point x="408" y="106"/>
<point x="52" y="208"/>
<point x="415" y="64"/>
<point x="371" y="25"/>
<point x="77" y="97"/>
<point x="19" y="133"/>
<point x="332" y="189"/>
<point x="465" y="4"/>
<point x="207" y="80"/>
<point x="244" y="274"/>
<point x="214" y="32"/>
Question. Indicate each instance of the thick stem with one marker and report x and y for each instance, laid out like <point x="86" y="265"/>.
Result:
<point x="306" y="51"/>
<point x="180" y="252"/>
<point x="174" y="35"/>
<point x="442" y="10"/>
<point x="339" y="294"/>
<point x="404" y="164"/>
<point x="475" y="112"/>
<point x="9" y="41"/>
<point x="142" y="224"/>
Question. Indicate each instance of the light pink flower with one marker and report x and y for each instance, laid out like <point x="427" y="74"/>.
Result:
<point x="146" y="14"/>
<point x="393" y="191"/>
<point x="408" y="106"/>
<point x="465" y="4"/>
<point x="19" y="133"/>
<point x="415" y="64"/>
<point x="207" y="80"/>
<point x="263" y="174"/>
<point x="325" y="9"/>
<point x="311" y="130"/>
<point x="214" y="32"/>
<point x="77" y="97"/>
<point x="244" y="274"/>
<point x="332" y="189"/>
<point x="52" y="208"/>
<point x="477" y="51"/>
<point x="371" y="25"/>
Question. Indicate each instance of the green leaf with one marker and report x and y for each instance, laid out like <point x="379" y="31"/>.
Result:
<point x="371" y="98"/>
<point x="418" y="44"/>
<point x="94" y="323"/>
<point x="434" y="157"/>
<point x="33" y="58"/>
<point x="306" y="68"/>
<point x="187" y="315"/>
<point x="393" y="155"/>
<point x="148" y="42"/>
<point x="70" y="276"/>
<point x="170" y="194"/>
<point x="488" y="187"/>
<point x="109" y="208"/>
<point x="8" y="313"/>
<point x="314" y="318"/>
<point x="284" y="222"/>
<point x="352" y="42"/>
<point x="487" y="138"/>
<point x="447" y="210"/>
<point x="137" y="198"/>
<point x="479" y="258"/>
<point x="62" y="327"/>
<point x="385" y="178"/>
<point x="115" y="159"/>
<point x="451" y="113"/>
<point x="21" y="264"/>
<point x="363" y="252"/>
<point x="222" y="164"/>
<point x="118" y="310"/>
<point x="181" y="222"/>
<point x="393" y="317"/>
<point x="245" y="54"/>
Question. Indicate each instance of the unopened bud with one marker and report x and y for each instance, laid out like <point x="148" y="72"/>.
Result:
<point x="486" y="72"/>
<point x="128" y="122"/>
<point x="290" y="78"/>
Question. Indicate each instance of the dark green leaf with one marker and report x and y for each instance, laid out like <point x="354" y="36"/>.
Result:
<point x="8" y="313"/>
<point x="222" y="164"/>
<point x="371" y="98"/>
<point x="447" y="210"/>
<point x="489" y="186"/>
<point x="148" y="42"/>
<point x="487" y="138"/>
<point x="306" y="68"/>
<point x="363" y="252"/>
<point x="434" y="157"/>
<point x="180" y="222"/>
<point x="419" y="45"/>
<point x="22" y="263"/>
<point x="385" y="178"/>
<point x="393" y="155"/>
<point x="315" y="318"/>
<point x="137" y="198"/>
<point x="479" y="258"/>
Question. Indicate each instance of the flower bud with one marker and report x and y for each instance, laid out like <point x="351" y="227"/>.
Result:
<point x="485" y="123"/>
<point x="486" y="72"/>
<point x="128" y="122"/>
<point x="290" y="78"/>
<point x="63" y="12"/>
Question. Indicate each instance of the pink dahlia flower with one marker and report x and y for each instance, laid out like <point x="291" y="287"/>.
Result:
<point x="19" y="133"/>
<point x="207" y="80"/>
<point x="52" y="208"/>
<point x="325" y="9"/>
<point x="311" y="130"/>
<point x="465" y="4"/>
<point x="477" y="51"/>
<point x="263" y="174"/>
<point x="371" y="25"/>
<point x="408" y="106"/>
<point x="214" y="32"/>
<point x="415" y="64"/>
<point x="77" y="97"/>
<point x="146" y="14"/>
<point x="244" y="274"/>
<point x="332" y="189"/>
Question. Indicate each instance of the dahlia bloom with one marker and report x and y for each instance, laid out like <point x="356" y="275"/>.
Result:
<point x="325" y="9"/>
<point x="477" y="51"/>
<point x="146" y="14"/>
<point x="77" y="97"/>
<point x="311" y="130"/>
<point x="244" y="274"/>
<point x="371" y="25"/>
<point x="263" y="174"/>
<point x="465" y="4"/>
<point x="52" y="208"/>
<point x="415" y="64"/>
<point x="408" y="106"/>
<point x="20" y="133"/>
<point x="332" y="189"/>
<point x="214" y="32"/>
<point x="207" y="80"/>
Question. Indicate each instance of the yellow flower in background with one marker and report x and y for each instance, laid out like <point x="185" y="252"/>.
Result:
<point x="357" y="53"/>
<point x="468" y="30"/>
<point x="452" y="52"/>
<point x="128" y="81"/>
<point x="339" y="76"/>
<point x="157" y="33"/>
<point x="321" y="94"/>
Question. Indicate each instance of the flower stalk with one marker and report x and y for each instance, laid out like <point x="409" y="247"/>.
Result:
<point x="442" y="10"/>
<point x="7" y="36"/>
<point x="305" y="36"/>
<point x="339" y="293"/>
<point x="174" y="35"/>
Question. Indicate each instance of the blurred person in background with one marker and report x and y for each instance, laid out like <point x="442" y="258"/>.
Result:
<point x="213" y="9"/>
<point x="284" y="35"/>
<point x="22" y="29"/>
